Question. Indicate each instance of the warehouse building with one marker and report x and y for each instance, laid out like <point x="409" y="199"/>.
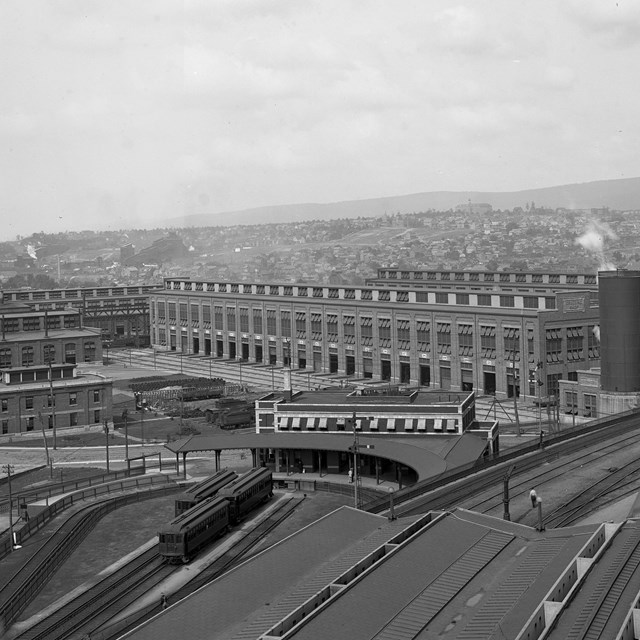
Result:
<point x="500" y="341"/>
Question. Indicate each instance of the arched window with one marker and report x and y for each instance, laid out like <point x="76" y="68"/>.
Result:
<point x="49" y="353"/>
<point x="27" y="356"/>
<point x="70" y="353"/>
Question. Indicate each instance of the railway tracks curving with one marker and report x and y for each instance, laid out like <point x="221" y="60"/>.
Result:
<point x="92" y="611"/>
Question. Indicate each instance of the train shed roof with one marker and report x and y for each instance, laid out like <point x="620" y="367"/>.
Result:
<point x="428" y="456"/>
<point x="354" y="575"/>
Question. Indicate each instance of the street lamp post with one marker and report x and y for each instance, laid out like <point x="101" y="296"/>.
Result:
<point x="53" y="406"/>
<point x="106" y="433"/>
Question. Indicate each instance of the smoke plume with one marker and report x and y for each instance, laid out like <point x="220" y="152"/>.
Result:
<point x="593" y="240"/>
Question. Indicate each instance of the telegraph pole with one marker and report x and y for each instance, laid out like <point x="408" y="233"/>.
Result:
<point x="106" y="433"/>
<point x="53" y="406"/>
<point x="8" y="469"/>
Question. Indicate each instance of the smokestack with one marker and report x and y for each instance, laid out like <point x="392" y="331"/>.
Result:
<point x="619" y="302"/>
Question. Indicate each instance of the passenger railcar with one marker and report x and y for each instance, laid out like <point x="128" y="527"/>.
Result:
<point x="181" y="538"/>
<point x="202" y="490"/>
<point x="247" y="492"/>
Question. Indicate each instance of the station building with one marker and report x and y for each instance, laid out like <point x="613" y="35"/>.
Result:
<point x="120" y="312"/>
<point x="41" y="386"/>
<point x="460" y="331"/>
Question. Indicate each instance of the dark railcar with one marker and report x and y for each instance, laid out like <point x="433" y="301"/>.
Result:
<point x="247" y="492"/>
<point x="181" y="538"/>
<point x="202" y="490"/>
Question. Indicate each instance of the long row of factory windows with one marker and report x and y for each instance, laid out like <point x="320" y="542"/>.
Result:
<point x="26" y="356"/>
<point x="567" y="344"/>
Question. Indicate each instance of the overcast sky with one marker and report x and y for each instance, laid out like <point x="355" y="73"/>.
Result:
<point x="121" y="113"/>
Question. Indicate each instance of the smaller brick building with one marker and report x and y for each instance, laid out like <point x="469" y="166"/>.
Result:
<point x="40" y="387"/>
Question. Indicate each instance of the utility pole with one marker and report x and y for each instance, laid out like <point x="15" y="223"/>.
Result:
<point x="505" y="498"/>
<point x="53" y="406"/>
<point x="125" y="413"/>
<point x="8" y="469"/>
<point x="46" y="444"/>
<point x="354" y="449"/>
<point x="106" y="433"/>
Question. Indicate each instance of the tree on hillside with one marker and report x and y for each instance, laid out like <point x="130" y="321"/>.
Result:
<point x="32" y="281"/>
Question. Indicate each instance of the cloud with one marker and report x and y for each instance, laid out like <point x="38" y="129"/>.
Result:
<point x="617" y="21"/>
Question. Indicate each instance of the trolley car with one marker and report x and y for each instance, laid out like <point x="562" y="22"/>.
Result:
<point x="247" y="492"/>
<point x="181" y="538"/>
<point x="202" y="490"/>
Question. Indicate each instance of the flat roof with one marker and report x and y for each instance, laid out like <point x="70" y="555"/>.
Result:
<point x="452" y="575"/>
<point x="350" y="397"/>
<point x="427" y="455"/>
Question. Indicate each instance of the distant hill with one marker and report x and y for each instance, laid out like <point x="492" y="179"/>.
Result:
<point x="620" y="194"/>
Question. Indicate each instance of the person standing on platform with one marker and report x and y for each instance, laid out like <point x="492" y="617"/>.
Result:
<point x="534" y="498"/>
<point x="350" y="474"/>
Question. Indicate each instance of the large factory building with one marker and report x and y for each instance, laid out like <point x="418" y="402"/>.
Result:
<point x="502" y="333"/>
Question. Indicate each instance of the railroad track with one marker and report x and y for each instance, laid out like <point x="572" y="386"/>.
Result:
<point x="491" y="500"/>
<point x="481" y="489"/>
<point x="91" y="612"/>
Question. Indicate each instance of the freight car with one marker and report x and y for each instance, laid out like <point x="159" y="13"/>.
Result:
<point x="181" y="538"/>
<point x="202" y="490"/>
<point x="247" y="492"/>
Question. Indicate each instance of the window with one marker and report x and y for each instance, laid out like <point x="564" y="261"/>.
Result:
<point x="27" y="356"/>
<point x="96" y="416"/>
<point x="73" y="398"/>
<point x="10" y="325"/>
<point x="349" y="329"/>
<point x="511" y="338"/>
<point x="96" y="395"/>
<point x="51" y="400"/>
<point x="49" y="353"/>
<point x="530" y="302"/>
<point x="553" y="345"/>
<point x="462" y="298"/>
<point x="172" y="312"/>
<point x="31" y="324"/>
<point x="5" y="405"/>
<point x="384" y="331"/>
<point x="218" y="318"/>
<point x="5" y="358"/>
<point x="89" y="351"/>
<point x="403" y="333"/>
<point x="30" y="423"/>
<point x="271" y="322"/>
<point x="285" y="323"/>
<point x="366" y="331"/>
<point x="244" y="320"/>
<point x="507" y="301"/>
<point x="73" y="419"/>
<point x="70" y="353"/>
<point x="183" y="312"/>
<point x="195" y="313"/>
<point x="484" y="300"/>
<point x="28" y="402"/>
<point x="590" y="406"/>
<point x="5" y="427"/>
<point x="549" y="303"/>
<point x="575" y="343"/>
<point x="316" y="326"/>
<point x="301" y="324"/>
<point x="332" y="328"/>
<point x="257" y="321"/>
<point x="442" y="298"/>
<point x="465" y="340"/>
<point x="488" y="342"/>
<point x="571" y="402"/>
<point x="443" y="337"/>
<point x="423" y="330"/>
<point x="231" y="318"/>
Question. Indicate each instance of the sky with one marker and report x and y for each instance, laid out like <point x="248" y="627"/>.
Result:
<point x="119" y="114"/>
